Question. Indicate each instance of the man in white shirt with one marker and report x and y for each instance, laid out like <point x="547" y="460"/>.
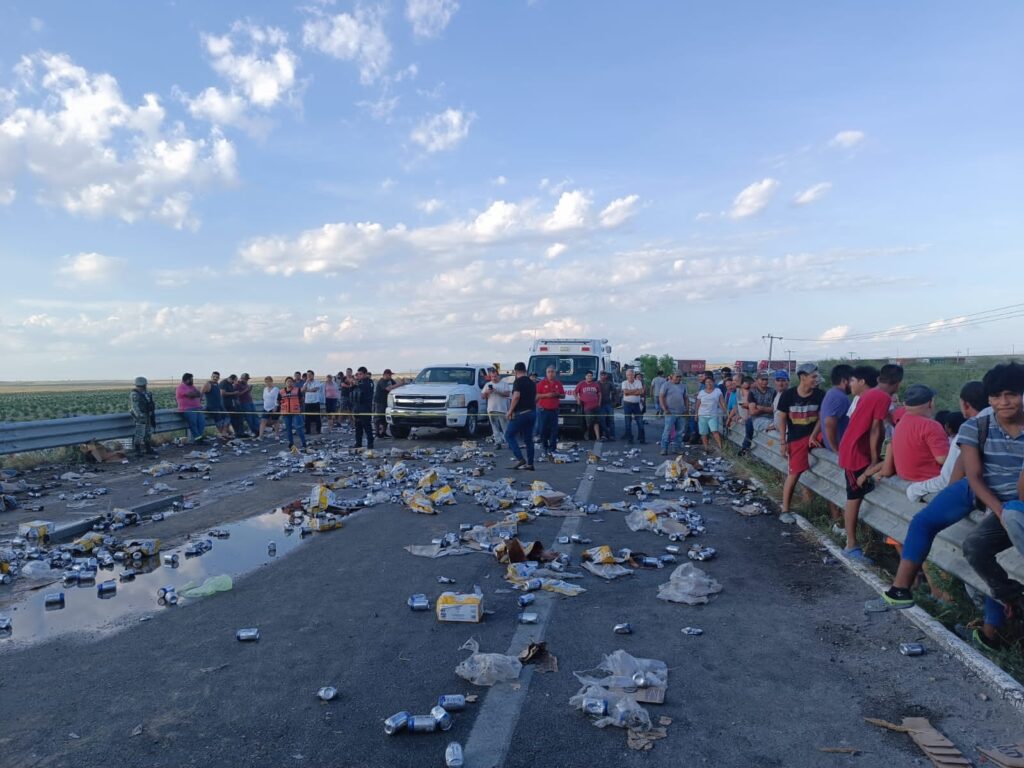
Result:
<point x="632" y="402"/>
<point x="313" y="397"/>
<point x="496" y="392"/>
<point x="656" y="384"/>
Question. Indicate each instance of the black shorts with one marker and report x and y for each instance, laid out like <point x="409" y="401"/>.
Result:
<point x="855" y="491"/>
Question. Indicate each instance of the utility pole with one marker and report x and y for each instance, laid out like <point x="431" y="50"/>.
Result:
<point x="771" y="341"/>
<point x="789" y="359"/>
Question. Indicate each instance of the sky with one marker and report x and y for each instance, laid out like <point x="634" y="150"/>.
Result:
<point x="267" y="186"/>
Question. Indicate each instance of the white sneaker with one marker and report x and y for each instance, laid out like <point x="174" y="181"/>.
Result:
<point x="787" y="517"/>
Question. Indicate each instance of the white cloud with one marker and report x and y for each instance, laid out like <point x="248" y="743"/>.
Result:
<point x="95" y="155"/>
<point x="88" y="267"/>
<point x="7" y="195"/>
<point x="545" y="307"/>
<point x="836" y="333"/>
<point x="500" y="181"/>
<point x="443" y="131"/>
<point x="753" y="198"/>
<point x="847" y="139"/>
<point x="317" y="329"/>
<point x="813" y="194"/>
<point x="430" y="206"/>
<point x="555" y="250"/>
<point x="618" y="211"/>
<point x="703" y="216"/>
<point x="430" y="17"/>
<point x="254" y="60"/>
<point x="358" y="37"/>
<point x="570" y="212"/>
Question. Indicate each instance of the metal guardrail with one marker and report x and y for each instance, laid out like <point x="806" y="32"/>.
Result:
<point x="886" y="509"/>
<point x="21" y="436"/>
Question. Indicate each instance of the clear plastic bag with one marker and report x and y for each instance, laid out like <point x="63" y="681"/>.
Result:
<point x="486" y="669"/>
<point x="627" y="671"/>
<point x="611" y="708"/>
<point x="211" y="586"/>
<point x="688" y="584"/>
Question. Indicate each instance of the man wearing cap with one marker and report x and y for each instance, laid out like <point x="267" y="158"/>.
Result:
<point x="919" y="443"/>
<point x="380" y="402"/>
<point x="632" y="398"/>
<point x="760" y="410"/>
<point x="143" y="411"/>
<point x="362" y="404"/>
<point x="798" y="421"/>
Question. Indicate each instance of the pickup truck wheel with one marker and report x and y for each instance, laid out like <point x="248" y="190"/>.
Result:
<point x="472" y="422"/>
<point x="400" y="431"/>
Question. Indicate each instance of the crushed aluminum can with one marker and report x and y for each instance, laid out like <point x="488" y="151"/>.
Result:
<point x="529" y="618"/>
<point x="54" y="601"/>
<point x="453" y="757"/>
<point x="563" y="539"/>
<point x="651" y="562"/>
<point x="465" y="527"/>
<point x="578" y="539"/>
<point x="106" y="588"/>
<point x="525" y="600"/>
<point x="419" y="603"/>
<point x="128" y="574"/>
<point x="697" y="552"/>
<point x="453" y="702"/>
<point x="672" y="549"/>
<point x="533" y="585"/>
<point x="421" y="723"/>
<point x="912" y="649"/>
<point x="327" y="693"/>
<point x="556" y="565"/>
<point x="443" y="717"/>
<point x="396" y="723"/>
<point x="694" y="631"/>
<point x="86" y="577"/>
<point x="640" y="680"/>
<point x="271" y="548"/>
<point x="623" y="629"/>
<point x="247" y="635"/>
<point x="6" y="625"/>
<point x="595" y="706"/>
<point x="445" y="580"/>
<point x="171" y="559"/>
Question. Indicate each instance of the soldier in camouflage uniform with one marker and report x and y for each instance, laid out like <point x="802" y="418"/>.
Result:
<point x="143" y="411"/>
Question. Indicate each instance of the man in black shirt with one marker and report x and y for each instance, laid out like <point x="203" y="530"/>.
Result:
<point x="521" y="414"/>
<point x="607" y="408"/>
<point x="362" y="405"/>
<point x="380" y="402"/>
<point x="798" y="419"/>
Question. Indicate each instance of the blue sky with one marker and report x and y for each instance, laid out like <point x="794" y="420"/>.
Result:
<point x="188" y="186"/>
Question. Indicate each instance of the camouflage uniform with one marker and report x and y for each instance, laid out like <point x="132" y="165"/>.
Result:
<point x="143" y="411"/>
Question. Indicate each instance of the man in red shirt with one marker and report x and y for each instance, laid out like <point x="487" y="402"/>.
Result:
<point x="919" y="443"/>
<point x="861" y="447"/>
<point x="588" y="395"/>
<point x="549" y="393"/>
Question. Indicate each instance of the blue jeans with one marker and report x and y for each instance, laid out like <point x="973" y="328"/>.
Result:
<point x="991" y="537"/>
<point x="251" y="419"/>
<point x="675" y="421"/>
<point x="521" y="424"/>
<point x="950" y="506"/>
<point x="196" y="423"/>
<point x="294" y="421"/>
<point x="748" y="434"/>
<point x="632" y="411"/>
<point x="607" y="420"/>
<point x="548" y="428"/>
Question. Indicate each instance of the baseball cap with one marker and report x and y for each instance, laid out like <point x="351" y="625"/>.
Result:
<point x="762" y="375"/>
<point x="807" y="368"/>
<point x="387" y="372"/>
<point x="781" y="375"/>
<point x="919" y="394"/>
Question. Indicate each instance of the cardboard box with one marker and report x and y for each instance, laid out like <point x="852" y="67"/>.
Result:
<point x="454" y="606"/>
<point x="36" y="529"/>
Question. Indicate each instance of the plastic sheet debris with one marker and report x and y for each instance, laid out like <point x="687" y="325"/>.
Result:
<point x="607" y="571"/>
<point x="688" y="584"/>
<point x="211" y="586"/>
<point x="692" y="631"/>
<point x="486" y="669"/>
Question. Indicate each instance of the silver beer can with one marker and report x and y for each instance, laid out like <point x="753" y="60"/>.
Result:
<point x="453" y="702"/>
<point x="421" y="723"/>
<point x="396" y="722"/>
<point x="247" y="634"/>
<point x="443" y="717"/>
<point x="453" y="757"/>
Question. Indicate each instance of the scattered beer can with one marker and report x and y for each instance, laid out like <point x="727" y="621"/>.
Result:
<point x="421" y="723"/>
<point x="911" y="649"/>
<point x="171" y="598"/>
<point x="595" y="706"/>
<point x="445" y="580"/>
<point x="651" y="562"/>
<point x="672" y="549"/>
<point x="465" y="527"/>
<point x="529" y="618"/>
<point x="525" y="600"/>
<point x="396" y="722"/>
<point x="692" y="631"/>
<point x="54" y="601"/>
<point x="271" y="548"/>
<point x="163" y="591"/>
<point x="563" y="539"/>
<point x="533" y="584"/>
<point x="85" y="578"/>
<point x="128" y="574"/>
<point x="171" y="559"/>
<point x="698" y="552"/>
<point x="106" y="588"/>
<point x="419" y="603"/>
<point x="246" y="635"/>
<point x="623" y="629"/>
<point x="453" y="702"/>
<point x="640" y="680"/>
<point x="556" y="566"/>
<point x="6" y="625"/>
<point x="453" y="757"/>
<point x="443" y="718"/>
<point x="327" y="693"/>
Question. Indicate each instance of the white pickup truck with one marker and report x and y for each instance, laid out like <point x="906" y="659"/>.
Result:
<point x="443" y="395"/>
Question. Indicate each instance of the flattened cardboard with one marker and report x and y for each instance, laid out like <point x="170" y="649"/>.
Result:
<point x="1005" y="755"/>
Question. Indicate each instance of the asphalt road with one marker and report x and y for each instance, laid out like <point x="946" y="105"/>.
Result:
<point x="788" y="662"/>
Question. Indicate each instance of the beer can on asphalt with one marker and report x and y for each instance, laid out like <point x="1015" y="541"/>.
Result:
<point x="911" y="649"/>
<point x="419" y="603"/>
<point x="595" y="706"/>
<point x="533" y="585"/>
<point x="327" y="693"/>
<point x="86" y="577"/>
<point x="453" y="702"/>
<point x="421" y="723"/>
<point x="162" y="592"/>
<point x="443" y="717"/>
<point x="672" y="549"/>
<point x="128" y="575"/>
<point x="396" y="722"/>
<point x="525" y="600"/>
<point x="623" y="629"/>
<point x="453" y="756"/>
<point x="171" y="559"/>
<point x="171" y="598"/>
<point x="106" y="588"/>
<point x="247" y="635"/>
<point x="528" y="618"/>
<point x="54" y="600"/>
<point x="6" y="625"/>
<point x="563" y="539"/>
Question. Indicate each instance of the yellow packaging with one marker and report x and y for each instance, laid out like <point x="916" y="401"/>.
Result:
<point x="539" y="485"/>
<point x="36" y="529"/>
<point x="443" y="495"/>
<point x="428" y="480"/>
<point x="88" y="542"/>
<point x="147" y="547"/>
<point x="453" y="606"/>
<point x="602" y="554"/>
<point x="418" y="502"/>
<point x="321" y="523"/>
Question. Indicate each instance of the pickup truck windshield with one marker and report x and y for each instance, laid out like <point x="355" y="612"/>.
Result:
<point x="446" y="376"/>
<point x="571" y="368"/>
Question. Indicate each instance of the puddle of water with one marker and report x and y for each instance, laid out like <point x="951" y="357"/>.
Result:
<point x="84" y="610"/>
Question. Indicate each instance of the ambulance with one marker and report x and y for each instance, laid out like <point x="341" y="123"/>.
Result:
<point x="572" y="359"/>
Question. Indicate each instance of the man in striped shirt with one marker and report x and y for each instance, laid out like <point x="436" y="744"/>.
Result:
<point x="993" y="459"/>
<point x="799" y="425"/>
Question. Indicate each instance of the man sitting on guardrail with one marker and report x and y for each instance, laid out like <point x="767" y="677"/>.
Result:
<point x="760" y="410"/>
<point x="993" y="462"/>
<point x="953" y="502"/>
<point x="799" y="424"/>
<point x="860" y="449"/>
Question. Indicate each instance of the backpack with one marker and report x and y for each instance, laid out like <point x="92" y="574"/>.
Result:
<point x="983" y="422"/>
